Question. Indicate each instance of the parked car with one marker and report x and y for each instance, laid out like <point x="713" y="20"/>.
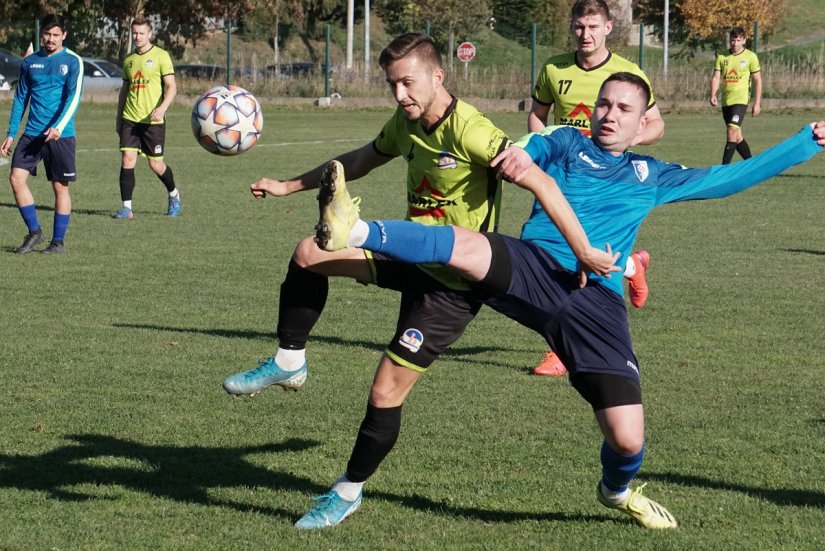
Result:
<point x="202" y="71"/>
<point x="215" y="73"/>
<point x="100" y="75"/>
<point x="297" y="69"/>
<point x="10" y="66"/>
<point x="4" y="84"/>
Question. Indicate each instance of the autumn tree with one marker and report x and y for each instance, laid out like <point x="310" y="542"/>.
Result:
<point x="700" y="24"/>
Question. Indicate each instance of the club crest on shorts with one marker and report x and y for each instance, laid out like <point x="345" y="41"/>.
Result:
<point x="642" y="170"/>
<point x="411" y="339"/>
<point x="158" y="149"/>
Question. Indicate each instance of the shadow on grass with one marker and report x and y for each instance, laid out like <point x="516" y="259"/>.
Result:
<point x="188" y="474"/>
<point x="805" y="251"/>
<point x="795" y="498"/>
<point x="454" y="353"/>
<point x="46" y="208"/>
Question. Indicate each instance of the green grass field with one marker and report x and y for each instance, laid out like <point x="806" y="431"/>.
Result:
<point x="117" y="434"/>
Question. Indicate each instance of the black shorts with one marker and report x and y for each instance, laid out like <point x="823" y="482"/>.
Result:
<point x="587" y="327"/>
<point x="734" y="115"/>
<point x="431" y="317"/>
<point x="148" y="139"/>
<point x="58" y="157"/>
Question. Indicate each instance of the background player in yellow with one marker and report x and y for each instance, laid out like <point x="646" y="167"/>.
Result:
<point x="734" y="72"/>
<point x="147" y="92"/>
<point x="569" y="85"/>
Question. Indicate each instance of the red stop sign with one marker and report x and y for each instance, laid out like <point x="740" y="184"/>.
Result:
<point x="466" y="51"/>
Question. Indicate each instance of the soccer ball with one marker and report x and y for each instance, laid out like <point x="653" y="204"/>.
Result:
<point x="227" y="120"/>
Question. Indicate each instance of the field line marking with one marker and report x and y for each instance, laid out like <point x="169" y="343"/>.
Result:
<point x="258" y="146"/>
<point x="4" y="162"/>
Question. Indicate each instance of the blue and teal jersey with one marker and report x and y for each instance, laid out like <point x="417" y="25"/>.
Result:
<point x="612" y="195"/>
<point x="51" y="86"/>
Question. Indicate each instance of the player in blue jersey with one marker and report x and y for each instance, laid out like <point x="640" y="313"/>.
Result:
<point x="50" y="84"/>
<point x="534" y="279"/>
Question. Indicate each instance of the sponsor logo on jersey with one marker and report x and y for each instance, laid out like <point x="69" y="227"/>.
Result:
<point x="37" y="66"/>
<point x="583" y="156"/>
<point x="138" y="81"/>
<point x="445" y="160"/>
<point x="642" y="170"/>
<point x="578" y="117"/>
<point x="64" y="69"/>
<point x="411" y="339"/>
<point x="432" y="204"/>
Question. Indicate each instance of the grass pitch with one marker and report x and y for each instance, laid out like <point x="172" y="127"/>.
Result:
<point x="117" y="433"/>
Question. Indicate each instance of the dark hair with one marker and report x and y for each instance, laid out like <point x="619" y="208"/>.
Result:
<point x="737" y="32"/>
<point x="52" y="20"/>
<point x="140" y="20"/>
<point x="629" y="78"/>
<point x="583" y="8"/>
<point x="409" y="44"/>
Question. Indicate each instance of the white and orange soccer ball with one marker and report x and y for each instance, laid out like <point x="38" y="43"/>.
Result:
<point x="227" y="120"/>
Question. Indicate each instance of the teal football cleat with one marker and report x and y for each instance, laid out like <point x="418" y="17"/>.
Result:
<point x="174" y="207"/>
<point x="249" y="383"/>
<point x="331" y="510"/>
<point x="123" y="214"/>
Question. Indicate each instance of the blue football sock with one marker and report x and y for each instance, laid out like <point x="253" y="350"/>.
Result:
<point x="29" y="214"/>
<point x="61" y="224"/>
<point x="410" y="241"/>
<point x="618" y="470"/>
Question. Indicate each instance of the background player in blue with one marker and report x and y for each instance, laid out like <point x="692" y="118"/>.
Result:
<point x="50" y="84"/>
<point x="533" y="279"/>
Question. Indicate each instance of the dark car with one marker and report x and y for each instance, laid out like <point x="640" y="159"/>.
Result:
<point x="202" y="71"/>
<point x="294" y="70"/>
<point x="10" y="66"/>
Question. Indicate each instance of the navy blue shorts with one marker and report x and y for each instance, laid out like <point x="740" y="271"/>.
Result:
<point x="586" y="327"/>
<point x="58" y="157"/>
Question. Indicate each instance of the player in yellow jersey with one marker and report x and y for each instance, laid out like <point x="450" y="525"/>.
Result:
<point x="448" y="146"/>
<point x="569" y="85"/>
<point x="732" y="74"/>
<point x="148" y="90"/>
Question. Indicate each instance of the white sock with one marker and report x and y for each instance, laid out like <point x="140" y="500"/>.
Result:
<point x="616" y="498"/>
<point x="346" y="489"/>
<point x="290" y="360"/>
<point x="127" y="204"/>
<point x="174" y="193"/>
<point x="630" y="268"/>
<point x="358" y="234"/>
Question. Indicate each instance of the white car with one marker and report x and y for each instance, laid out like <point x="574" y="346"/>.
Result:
<point x="100" y="75"/>
<point x="4" y="84"/>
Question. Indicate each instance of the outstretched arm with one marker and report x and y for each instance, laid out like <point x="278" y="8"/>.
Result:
<point x="357" y="163"/>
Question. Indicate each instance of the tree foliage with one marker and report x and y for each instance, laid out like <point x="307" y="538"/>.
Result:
<point x="456" y="18"/>
<point x="697" y="23"/>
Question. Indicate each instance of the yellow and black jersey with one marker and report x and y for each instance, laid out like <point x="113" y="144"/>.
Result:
<point x="572" y="89"/>
<point x="736" y="71"/>
<point x="449" y="179"/>
<point x="144" y="73"/>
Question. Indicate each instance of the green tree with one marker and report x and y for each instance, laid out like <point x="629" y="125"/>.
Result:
<point x="450" y="20"/>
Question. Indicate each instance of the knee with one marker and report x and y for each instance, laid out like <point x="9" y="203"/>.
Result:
<point x="158" y="167"/>
<point x="627" y="442"/>
<point x="306" y="253"/>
